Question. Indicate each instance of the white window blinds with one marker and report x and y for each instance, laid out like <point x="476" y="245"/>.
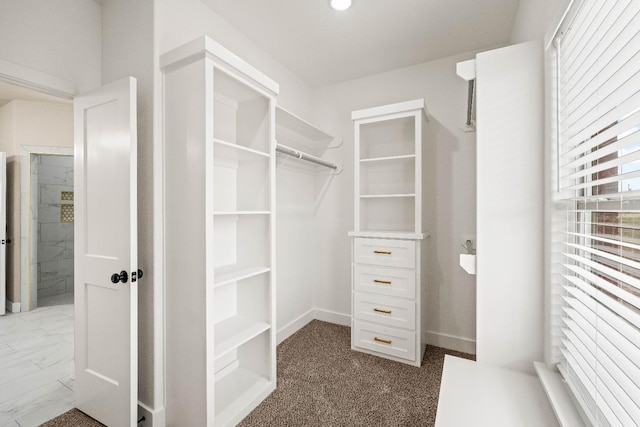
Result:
<point x="599" y="181"/>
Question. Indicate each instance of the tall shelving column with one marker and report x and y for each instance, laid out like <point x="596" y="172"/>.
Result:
<point x="219" y="221"/>
<point x="388" y="252"/>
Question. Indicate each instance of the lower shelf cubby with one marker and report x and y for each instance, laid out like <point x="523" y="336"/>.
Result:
<point x="241" y="312"/>
<point x="244" y="380"/>
<point x="234" y="332"/>
<point x="242" y="239"/>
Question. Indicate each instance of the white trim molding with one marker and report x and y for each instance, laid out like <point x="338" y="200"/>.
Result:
<point x="294" y="326"/>
<point x="555" y="388"/>
<point x="332" y="317"/>
<point x="451" y="342"/>
<point x="560" y="19"/>
<point x="437" y="339"/>
<point x="33" y="79"/>
<point x="12" y="307"/>
<point x="152" y="417"/>
<point x="313" y="314"/>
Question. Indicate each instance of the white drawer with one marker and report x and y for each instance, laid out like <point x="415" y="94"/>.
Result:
<point x="385" y="281"/>
<point x="385" y="252"/>
<point x="400" y="313"/>
<point x="382" y="339"/>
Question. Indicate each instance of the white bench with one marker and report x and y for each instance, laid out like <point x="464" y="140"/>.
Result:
<point x="475" y="394"/>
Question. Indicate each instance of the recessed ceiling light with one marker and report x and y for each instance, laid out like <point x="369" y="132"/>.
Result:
<point x="341" y="4"/>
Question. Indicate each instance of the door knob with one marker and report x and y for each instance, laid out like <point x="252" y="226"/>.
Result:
<point x="122" y="277"/>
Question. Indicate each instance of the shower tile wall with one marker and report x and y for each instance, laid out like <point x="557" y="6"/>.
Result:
<point x="55" y="238"/>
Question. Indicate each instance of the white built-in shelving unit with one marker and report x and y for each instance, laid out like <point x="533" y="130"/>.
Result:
<point x="388" y="252"/>
<point x="219" y="150"/>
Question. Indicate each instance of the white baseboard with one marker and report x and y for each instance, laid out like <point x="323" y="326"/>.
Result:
<point x="437" y="339"/>
<point x="152" y="417"/>
<point x="332" y="317"/>
<point x="294" y="326"/>
<point x="451" y="342"/>
<point x="13" y="307"/>
<point x="313" y="314"/>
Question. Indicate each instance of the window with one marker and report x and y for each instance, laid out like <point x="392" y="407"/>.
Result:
<point x="596" y="260"/>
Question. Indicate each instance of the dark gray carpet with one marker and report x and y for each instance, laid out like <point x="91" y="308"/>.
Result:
<point x="322" y="382"/>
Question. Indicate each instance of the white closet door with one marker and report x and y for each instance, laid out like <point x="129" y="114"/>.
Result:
<point x="106" y="293"/>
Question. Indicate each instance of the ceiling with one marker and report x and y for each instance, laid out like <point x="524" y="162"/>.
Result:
<point x="323" y="46"/>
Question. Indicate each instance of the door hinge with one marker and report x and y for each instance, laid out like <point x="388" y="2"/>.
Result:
<point x="135" y="276"/>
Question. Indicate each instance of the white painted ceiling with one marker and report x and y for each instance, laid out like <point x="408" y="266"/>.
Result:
<point x="323" y="46"/>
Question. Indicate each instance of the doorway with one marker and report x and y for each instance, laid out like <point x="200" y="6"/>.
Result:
<point x="46" y="226"/>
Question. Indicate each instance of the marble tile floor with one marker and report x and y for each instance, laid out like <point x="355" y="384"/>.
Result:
<point x="36" y="357"/>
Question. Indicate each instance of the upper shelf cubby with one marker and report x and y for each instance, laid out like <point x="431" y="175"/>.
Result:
<point x="241" y="114"/>
<point x="293" y="130"/>
<point x="387" y="139"/>
<point x="389" y="143"/>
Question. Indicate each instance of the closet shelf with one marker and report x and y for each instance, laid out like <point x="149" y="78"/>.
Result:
<point x="234" y="390"/>
<point x="233" y="151"/>
<point x="296" y="129"/>
<point x="406" y="235"/>
<point x="220" y="213"/>
<point x="235" y="331"/>
<point x="385" y="196"/>
<point x="390" y="158"/>
<point x="235" y="272"/>
<point x="304" y="156"/>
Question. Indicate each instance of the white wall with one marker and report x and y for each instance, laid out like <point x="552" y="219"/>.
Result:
<point x="295" y="248"/>
<point x="57" y="37"/>
<point x="533" y="19"/>
<point x="180" y="21"/>
<point x="128" y="49"/>
<point x="451" y="297"/>
<point x="510" y="206"/>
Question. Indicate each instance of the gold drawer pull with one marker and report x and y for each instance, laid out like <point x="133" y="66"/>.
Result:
<point x="382" y="252"/>
<point x="384" y="282"/>
<point x="382" y="311"/>
<point x="381" y="340"/>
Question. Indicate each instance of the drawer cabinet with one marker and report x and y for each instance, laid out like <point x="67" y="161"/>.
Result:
<point x="388" y="253"/>
<point x="386" y="309"/>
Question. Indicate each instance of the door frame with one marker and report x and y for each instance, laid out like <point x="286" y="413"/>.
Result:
<point x="29" y="78"/>
<point x="28" y="223"/>
<point x="32" y="79"/>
